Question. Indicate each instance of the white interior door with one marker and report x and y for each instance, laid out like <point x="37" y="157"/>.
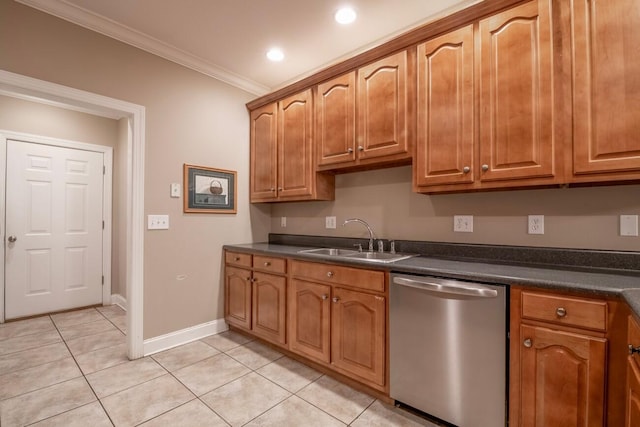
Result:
<point x="53" y="253"/>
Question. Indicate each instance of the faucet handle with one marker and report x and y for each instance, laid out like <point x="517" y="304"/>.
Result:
<point x="359" y="246"/>
<point x="380" y="246"/>
<point x="392" y="246"/>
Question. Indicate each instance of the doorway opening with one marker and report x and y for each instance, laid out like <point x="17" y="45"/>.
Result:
<point x="31" y="89"/>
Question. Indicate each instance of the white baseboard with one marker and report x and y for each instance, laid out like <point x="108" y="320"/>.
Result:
<point x="119" y="300"/>
<point x="184" y="336"/>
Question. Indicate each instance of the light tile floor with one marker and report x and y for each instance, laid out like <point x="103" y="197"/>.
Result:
<point x="71" y="369"/>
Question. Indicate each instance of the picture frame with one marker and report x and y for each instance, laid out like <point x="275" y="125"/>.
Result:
<point x="209" y="190"/>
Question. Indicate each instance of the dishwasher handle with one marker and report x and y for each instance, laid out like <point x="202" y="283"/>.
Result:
<point x="449" y="289"/>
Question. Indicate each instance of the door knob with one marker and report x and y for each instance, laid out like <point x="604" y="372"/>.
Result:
<point x="12" y="239"/>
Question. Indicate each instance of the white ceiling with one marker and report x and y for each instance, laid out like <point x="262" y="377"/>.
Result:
<point x="228" y="39"/>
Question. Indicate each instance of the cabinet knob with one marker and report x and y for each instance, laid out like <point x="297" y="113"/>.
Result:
<point x="633" y="350"/>
<point x="272" y="189"/>
<point x="527" y="343"/>
<point x="267" y="264"/>
<point x="248" y="279"/>
<point x="485" y="168"/>
<point x="237" y="258"/>
<point x="335" y="299"/>
<point x="279" y="188"/>
<point x="360" y="148"/>
<point x="325" y="297"/>
<point x="349" y="150"/>
<point x="561" y="312"/>
<point x="329" y="273"/>
<point x="466" y="169"/>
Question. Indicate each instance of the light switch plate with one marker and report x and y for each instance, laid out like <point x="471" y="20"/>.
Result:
<point x="463" y="223"/>
<point x="158" y="222"/>
<point x="175" y="190"/>
<point x="283" y="222"/>
<point x="628" y="225"/>
<point x="330" y="222"/>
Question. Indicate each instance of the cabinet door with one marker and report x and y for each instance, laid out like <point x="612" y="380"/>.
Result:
<point x="264" y="164"/>
<point x="383" y="107"/>
<point x="309" y="324"/>
<point x="516" y="94"/>
<point x="269" y="307"/>
<point x="335" y="120"/>
<point x="562" y="378"/>
<point x="295" y="146"/>
<point x="632" y="417"/>
<point x="606" y="82"/>
<point x="237" y="302"/>
<point x="445" y="109"/>
<point x="358" y="335"/>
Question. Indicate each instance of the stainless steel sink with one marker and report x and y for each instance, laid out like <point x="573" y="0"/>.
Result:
<point x="329" y="251"/>
<point x="378" y="257"/>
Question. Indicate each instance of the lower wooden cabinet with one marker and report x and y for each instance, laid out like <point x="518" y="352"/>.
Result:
<point x="337" y="316"/>
<point x="558" y="370"/>
<point x="255" y="300"/>
<point x="632" y="412"/>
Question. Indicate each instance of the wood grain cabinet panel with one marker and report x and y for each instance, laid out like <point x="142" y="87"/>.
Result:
<point x="269" y="307"/>
<point x="516" y="94"/>
<point x="444" y="152"/>
<point x="384" y="96"/>
<point x="563" y="378"/>
<point x="237" y="302"/>
<point x="632" y="411"/>
<point x="335" y="120"/>
<point x="309" y="319"/>
<point x="358" y="334"/>
<point x="606" y="83"/>
<point x="264" y="160"/>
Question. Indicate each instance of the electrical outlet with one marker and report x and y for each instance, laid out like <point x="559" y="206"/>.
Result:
<point x="463" y="223"/>
<point x="628" y="225"/>
<point x="283" y="221"/>
<point x="330" y="222"/>
<point x="536" y="224"/>
<point x="158" y="222"/>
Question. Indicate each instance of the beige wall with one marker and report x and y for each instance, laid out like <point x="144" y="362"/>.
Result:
<point x="574" y="217"/>
<point x="190" y="118"/>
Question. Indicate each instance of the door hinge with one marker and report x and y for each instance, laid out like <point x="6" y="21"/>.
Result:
<point x="104" y="170"/>
<point x="103" y="225"/>
<point x="102" y="280"/>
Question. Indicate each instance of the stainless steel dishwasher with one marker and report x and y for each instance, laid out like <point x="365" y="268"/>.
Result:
<point x="448" y="348"/>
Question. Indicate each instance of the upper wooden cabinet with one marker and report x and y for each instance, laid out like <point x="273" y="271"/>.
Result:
<point x="282" y="161"/>
<point x="335" y="120"/>
<point x="606" y="88"/>
<point x="445" y="144"/>
<point x="373" y="127"/>
<point x="516" y="94"/>
<point x="514" y="142"/>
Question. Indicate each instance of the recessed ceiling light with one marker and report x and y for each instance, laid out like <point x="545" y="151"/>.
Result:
<point x="345" y="15"/>
<point x="275" y="54"/>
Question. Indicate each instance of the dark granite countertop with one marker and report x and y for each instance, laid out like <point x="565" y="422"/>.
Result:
<point x="554" y="269"/>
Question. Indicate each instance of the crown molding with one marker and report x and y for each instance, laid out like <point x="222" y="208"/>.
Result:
<point x="98" y="23"/>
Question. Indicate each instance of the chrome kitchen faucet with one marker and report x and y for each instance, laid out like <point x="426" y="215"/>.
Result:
<point x="368" y="229"/>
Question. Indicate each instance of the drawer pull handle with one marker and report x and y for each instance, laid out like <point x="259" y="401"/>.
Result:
<point x="329" y="273"/>
<point x="561" y="312"/>
<point x="237" y="258"/>
<point x="267" y="264"/>
<point x="335" y="299"/>
<point x="633" y="350"/>
<point x="527" y="343"/>
<point x="325" y="297"/>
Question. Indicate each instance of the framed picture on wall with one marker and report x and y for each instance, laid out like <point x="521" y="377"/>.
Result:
<point x="209" y="190"/>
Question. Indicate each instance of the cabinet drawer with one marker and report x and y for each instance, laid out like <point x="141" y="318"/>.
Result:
<point x="563" y="310"/>
<point x="270" y="264"/>
<point x="339" y="275"/>
<point x="237" y="258"/>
